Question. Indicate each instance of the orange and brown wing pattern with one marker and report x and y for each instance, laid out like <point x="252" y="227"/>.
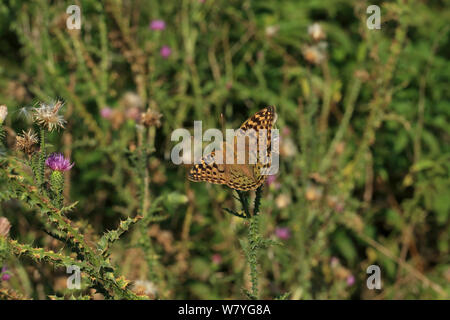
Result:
<point x="208" y="170"/>
<point x="238" y="180"/>
<point x="263" y="119"/>
<point x="245" y="176"/>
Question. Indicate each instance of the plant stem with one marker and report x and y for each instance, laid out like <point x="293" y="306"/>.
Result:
<point x="254" y="240"/>
<point x="57" y="186"/>
<point x="252" y="257"/>
<point x="41" y="163"/>
<point x="2" y="134"/>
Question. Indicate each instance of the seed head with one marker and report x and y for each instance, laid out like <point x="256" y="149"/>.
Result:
<point x="315" y="54"/>
<point x="316" y="32"/>
<point x="151" y="118"/>
<point x="47" y="116"/>
<point x="26" y="141"/>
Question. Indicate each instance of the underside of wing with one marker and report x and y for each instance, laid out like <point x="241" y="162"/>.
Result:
<point x="263" y="119"/>
<point x="208" y="170"/>
<point x="240" y="179"/>
<point x="246" y="175"/>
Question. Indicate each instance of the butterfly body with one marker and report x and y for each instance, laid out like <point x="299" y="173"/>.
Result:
<point x="239" y="175"/>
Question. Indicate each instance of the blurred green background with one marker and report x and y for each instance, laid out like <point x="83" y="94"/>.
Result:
<point x="363" y="118"/>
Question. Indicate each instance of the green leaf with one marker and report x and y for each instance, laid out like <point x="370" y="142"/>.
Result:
<point x="345" y="246"/>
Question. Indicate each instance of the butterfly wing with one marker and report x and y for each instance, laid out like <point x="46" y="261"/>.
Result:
<point x="263" y="119"/>
<point x="239" y="179"/>
<point x="248" y="176"/>
<point x="245" y="176"/>
<point x="208" y="170"/>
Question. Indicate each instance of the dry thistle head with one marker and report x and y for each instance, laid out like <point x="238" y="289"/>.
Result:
<point x="47" y="116"/>
<point x="26" y="141"/>
<point x="313" y="193"/>
<point x="3" y="113"/>
<point x="315" y="54"/>
<point x="117" y="118"/>
<point x="272" y="30"/>
<point x="151" y="118"/>
<point x="315" y="31"/>
<point x="132" y="100"/>
<point x="144" y="287"/>
<point x="283" y="201"/>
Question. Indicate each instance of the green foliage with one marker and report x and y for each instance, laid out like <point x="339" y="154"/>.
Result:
<point x="109" y="237"/>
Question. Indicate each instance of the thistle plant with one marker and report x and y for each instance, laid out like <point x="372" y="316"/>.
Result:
<point x="363" y="120"/>
<point x="48" y="118"/>
<point x="46" y="196"/>
<point x="27" y="142"/>
<point x="255" y="241"/>
<point x="146" y="131"/>
<point x="58" y="164"/>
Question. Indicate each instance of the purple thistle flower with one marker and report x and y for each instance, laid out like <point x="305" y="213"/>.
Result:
<point x="272" y="182"/>
<point x="350" y="280"/>
<point x="283" y="233"/>
<point x="165" y="52"/>
<point x="334" y="262"/>
<point x="57" y="162"/>
<point x="106" y="112"/>
<point x="5" y="276"/>
<point x="286" y="131"/>
<point x="216" y="258"/>
<point x="271" y="179"/>
<point x="157" y="25"/>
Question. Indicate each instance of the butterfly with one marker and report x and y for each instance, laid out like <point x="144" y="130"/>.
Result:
<point x="240" y="176"/>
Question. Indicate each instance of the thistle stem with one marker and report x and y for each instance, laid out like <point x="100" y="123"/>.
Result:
<point x="41" y="163"/>
<point x="254" y="240"/>
<point x="2" y="134"/>
<point x="146" y="140"/>
<point x="57" y="186"/>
